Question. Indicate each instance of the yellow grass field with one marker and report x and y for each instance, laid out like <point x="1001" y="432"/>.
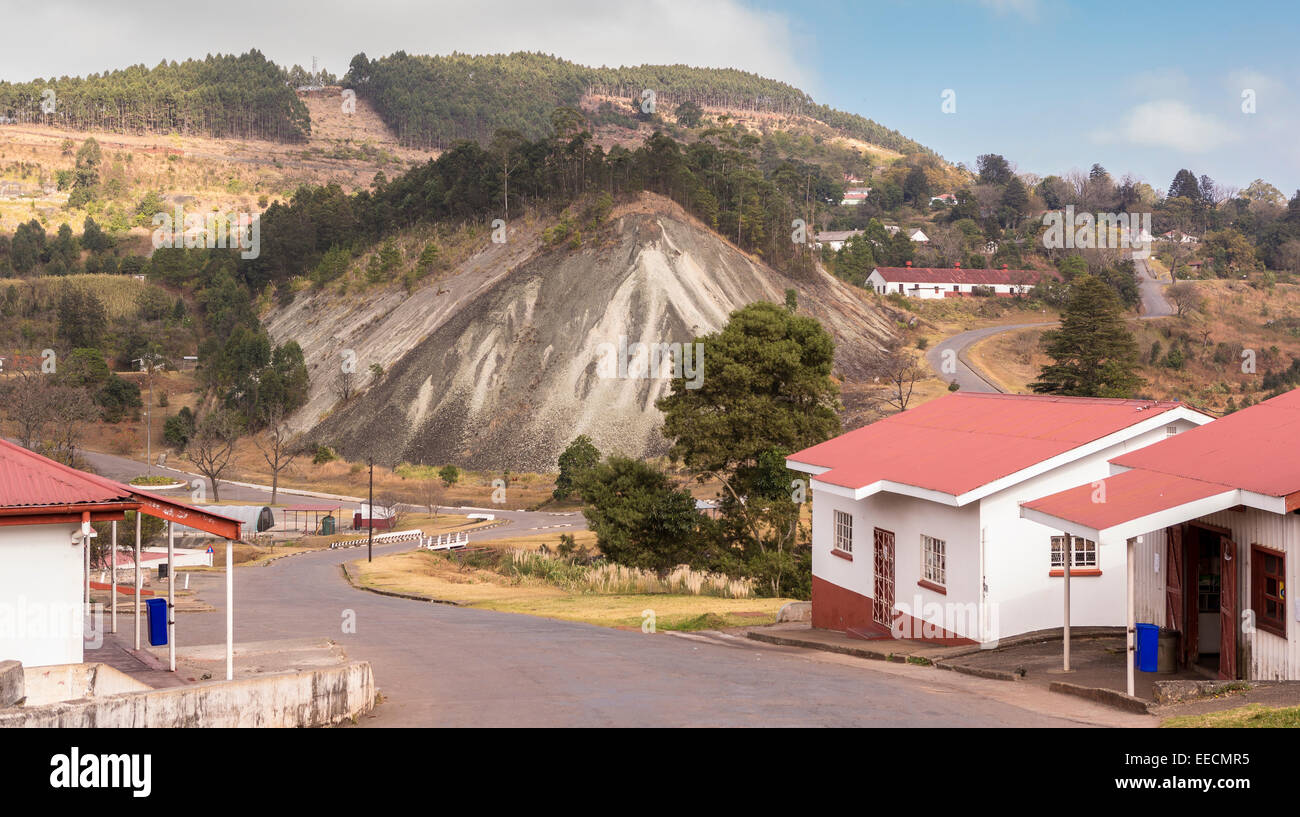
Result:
<point x="434" y="576"/>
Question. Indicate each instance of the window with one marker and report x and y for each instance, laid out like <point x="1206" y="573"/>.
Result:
<point x="1171" y="431"/>
<point x="934" y="560"/>
<point x="1084" y="552"/>
<point x="1268" y="589"/>
<point x="843" y="532"/>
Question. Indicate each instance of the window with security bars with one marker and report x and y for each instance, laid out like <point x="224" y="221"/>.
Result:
<point x="843" y="532"/>
<point x="934" y="560"/>
<point x="1084" y="552"/>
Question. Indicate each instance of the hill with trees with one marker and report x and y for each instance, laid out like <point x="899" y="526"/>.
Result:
<point x="435" y="101"/>
<point x="224" y="96"/>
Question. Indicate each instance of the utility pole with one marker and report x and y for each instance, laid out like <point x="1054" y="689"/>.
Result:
<point x="370" y="511"/>
<point x="147" y="366"/>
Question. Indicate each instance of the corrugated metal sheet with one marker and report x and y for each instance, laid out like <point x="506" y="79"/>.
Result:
<point x="29" y="480"/>
<point x="962" y="441"/>
<point x="1129" y="495"/>
<point x="1267" y="656"/>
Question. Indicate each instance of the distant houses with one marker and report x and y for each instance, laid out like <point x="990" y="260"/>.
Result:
<point x="943" y="198"/>
<point x="935" y="282"/>
<point x="1179" y="237"/>
<point x="854" y="196"/>
<point x="835" y="239"/>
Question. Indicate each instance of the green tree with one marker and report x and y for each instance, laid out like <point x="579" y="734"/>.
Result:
<point x="577" y="460"/>
<point x="689" y="114"/>
<point x="449" y="474"/>
<point x="1093" y="353"/>
<point x="639" y="519"/>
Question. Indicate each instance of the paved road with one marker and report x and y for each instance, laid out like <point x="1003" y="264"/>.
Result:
<point x="1154" y="302"/>
<point x="518" y="523"/>
<point x="948" y="359"/>
<point x="439" y="665"/>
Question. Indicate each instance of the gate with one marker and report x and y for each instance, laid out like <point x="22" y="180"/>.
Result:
<point x="882" y="601"/>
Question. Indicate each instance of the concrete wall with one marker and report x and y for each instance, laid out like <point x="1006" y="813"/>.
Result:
<point x="318" y="697"/>
<point x="41" y="618"/>
<point x="66" y="682"/>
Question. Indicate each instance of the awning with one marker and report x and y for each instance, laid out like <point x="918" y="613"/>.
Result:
<point x="1129" y="504"/>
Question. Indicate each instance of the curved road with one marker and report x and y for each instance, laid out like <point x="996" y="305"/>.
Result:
<point x="439" y="665"/>
<point x="949" y="358"/>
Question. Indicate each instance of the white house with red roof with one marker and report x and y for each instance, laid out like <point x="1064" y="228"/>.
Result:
<point x="46" y="511"/>
<point x="952" y="282"/>
<point x="917" y="528"/>
<point x="1208" y="524"/>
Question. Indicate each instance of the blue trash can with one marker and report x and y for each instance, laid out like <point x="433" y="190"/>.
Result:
<point x="157" y="609"/>
<point x="1147" y="656"/>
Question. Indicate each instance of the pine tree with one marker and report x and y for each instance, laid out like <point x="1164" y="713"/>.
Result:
<point x="1093" y="353"/>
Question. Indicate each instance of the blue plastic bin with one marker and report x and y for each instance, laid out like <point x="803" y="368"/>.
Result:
<point x="1147" y="656"/>
<point x="157" y="610"/>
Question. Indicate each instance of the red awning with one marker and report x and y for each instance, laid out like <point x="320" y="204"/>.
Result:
<point x="1121" y="499"/>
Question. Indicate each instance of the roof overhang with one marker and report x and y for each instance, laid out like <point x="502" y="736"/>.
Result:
<point x="1133" y="502"/>
<point x="73" y="513"/>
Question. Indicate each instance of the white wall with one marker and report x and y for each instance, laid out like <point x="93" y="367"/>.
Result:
<point x="1019" y="551"/>
<point x="40" y="595"/>
<point x="908" y="518"/>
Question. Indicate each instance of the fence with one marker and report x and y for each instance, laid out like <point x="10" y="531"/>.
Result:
<point x="442" y="541"/>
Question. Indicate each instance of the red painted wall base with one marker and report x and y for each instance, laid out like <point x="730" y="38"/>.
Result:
<point x="837" y="608"/>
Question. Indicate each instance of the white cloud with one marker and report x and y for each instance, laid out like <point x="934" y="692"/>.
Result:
<point x="94" y="36"/>
<point x="1169" y="123"/>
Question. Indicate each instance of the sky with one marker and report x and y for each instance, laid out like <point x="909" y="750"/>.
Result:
<point x="1053" y="85"/>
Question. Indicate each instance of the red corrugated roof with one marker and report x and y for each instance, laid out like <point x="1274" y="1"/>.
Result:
<point x="1129" y="495"/>
<point x="29" y="480"/>
<point x="958" y="275"/>
<point x="1256" y="449"/>
<point x="961" y="441"/>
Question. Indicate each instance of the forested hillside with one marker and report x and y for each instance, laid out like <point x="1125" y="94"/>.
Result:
<point x="224" y="96"/>
<point x="433" y="102"/>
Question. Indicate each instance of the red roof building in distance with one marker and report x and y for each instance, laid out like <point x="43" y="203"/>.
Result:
<point x="963" y="442"/>
<point x="949" y="282"/>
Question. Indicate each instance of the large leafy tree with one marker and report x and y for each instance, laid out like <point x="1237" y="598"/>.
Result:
<point x="1093" y="353"/>
<point x="580" y="457"/>
<point x="640" y="520"/>
<point x="765" y="390"/>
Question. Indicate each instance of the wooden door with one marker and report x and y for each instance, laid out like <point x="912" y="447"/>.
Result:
<point x="882" y="600"/>
<point x="1228" y="609"/>
<point x="1175" y="604"/>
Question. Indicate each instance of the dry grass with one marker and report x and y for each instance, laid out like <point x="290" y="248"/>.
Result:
<point x="435" y="576"/>
<point x="1233" y="312"/>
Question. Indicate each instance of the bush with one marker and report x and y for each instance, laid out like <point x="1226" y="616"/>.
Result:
<point x="322" y="455"/>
